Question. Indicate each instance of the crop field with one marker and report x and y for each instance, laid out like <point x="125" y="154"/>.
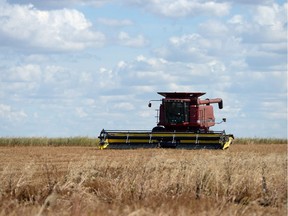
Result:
<point x="54" y="179"/>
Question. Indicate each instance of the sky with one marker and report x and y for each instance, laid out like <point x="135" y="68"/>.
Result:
<point x="71" y="68"/>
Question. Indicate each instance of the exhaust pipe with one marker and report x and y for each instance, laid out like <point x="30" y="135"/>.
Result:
<point x="209" y="101"/>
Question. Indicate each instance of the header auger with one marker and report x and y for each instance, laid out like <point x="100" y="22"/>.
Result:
<point x="184" y="122"/>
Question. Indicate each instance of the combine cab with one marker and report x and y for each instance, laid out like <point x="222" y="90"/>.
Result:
<point x="184" y="122"/>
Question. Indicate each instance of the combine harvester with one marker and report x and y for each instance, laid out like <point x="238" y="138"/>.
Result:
<point x="184" y="122"/>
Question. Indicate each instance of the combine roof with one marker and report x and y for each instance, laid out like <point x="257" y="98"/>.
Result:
<point x="184" y="95"/>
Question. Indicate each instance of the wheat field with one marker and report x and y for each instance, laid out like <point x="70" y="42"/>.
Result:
<point x="246" y="179"/>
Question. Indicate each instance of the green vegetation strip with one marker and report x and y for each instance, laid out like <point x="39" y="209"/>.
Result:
<point x="260" y="141"/>
<point x="88" y="141"/>
<point x="44" y="141"/>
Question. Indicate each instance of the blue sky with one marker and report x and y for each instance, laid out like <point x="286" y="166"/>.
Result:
<point x="76" y="67"/>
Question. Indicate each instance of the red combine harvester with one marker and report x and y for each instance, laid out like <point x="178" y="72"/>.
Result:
<point x="184" y="122"/>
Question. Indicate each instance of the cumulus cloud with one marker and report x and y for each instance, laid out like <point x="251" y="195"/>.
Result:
<point x="159" y="74"/>
<point x="35" y="73"/>
<point x="7" y="112"/>
<point x="213" y="29"/>
<point x="25" y="73"/>
<point x="182" y="8"/>
<point x="126" y="40"/>
<point x="48" y="4"/>
<point x="266" y="24"/>
<point x="107" y="78"/>
<point x="249" y="2"/>
<point x="236" y="19"/>
<point x="56" y="30"/>
<point x="257" y="43"/>
<point x="115" y="22"/>
<point x="201" y="48"/>
<point x="124" y="106"/>
<point x="265" y="40"/>
<point x="80" y="112"/>
<point x="37" y="81"/>
<point x="187" y="48"/>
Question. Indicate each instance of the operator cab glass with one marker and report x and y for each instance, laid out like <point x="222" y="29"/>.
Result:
<point x="176" y="112"/>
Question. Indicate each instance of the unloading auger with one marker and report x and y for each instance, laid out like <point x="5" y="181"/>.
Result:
<point x="184" y="122"/>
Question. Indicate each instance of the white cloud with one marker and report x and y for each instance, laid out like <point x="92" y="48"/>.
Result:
<point x="201" y="48"/>
<point x="25" y="73"/>
<point x="249" y="2"/>
<point x="236" y="19"/>
<point x="36" y="58"/>
<point x="279" y="114"/>
<point x="182" y="8"/>
<point x="158" y="74"/>
<point x="267" y="24"/>
<point x="80" y="112"/>
<point x="55" y="74"/>
<point x="124" y="106"/>
<point x="217" y="67"/>
<point x="33" y="80"/>
<point x="213" y="29"/>
<point x="63" y="3"/>
<point x="7" y="112"/>
<point x="185" y="48"/>
<point x="273" y="15"/>
<point x="115" y="22"/>
<point x="107" y="78"/>
<point x="57" y="30"/>
<point x="126" y="40"/>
